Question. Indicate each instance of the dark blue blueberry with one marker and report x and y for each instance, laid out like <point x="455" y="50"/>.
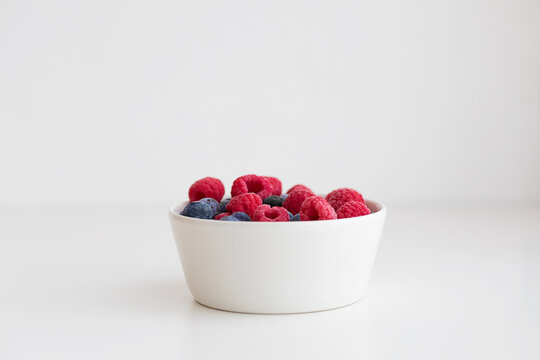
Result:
<point x="284" y="196"/>
<point x="200" y="210"/>
<point x="242" y="216"/>
<point x="296" y="217"/>
<point x="230" y="218"/>
<point x="290" y="215"/>
<point x="273" y="200"/>
<point x="223" y="205"/>
<point x="214" y="205"/>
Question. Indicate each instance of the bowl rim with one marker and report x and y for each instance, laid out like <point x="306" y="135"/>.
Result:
<point x="380" y="206"/>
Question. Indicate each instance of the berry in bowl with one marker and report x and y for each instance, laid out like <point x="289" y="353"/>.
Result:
<point x="261" y="251"/>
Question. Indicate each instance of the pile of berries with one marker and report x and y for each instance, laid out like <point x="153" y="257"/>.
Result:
<point x="259" y="198"/>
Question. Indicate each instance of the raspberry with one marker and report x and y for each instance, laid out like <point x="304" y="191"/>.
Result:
<point x="299" y="187"/>
<point x="353" y="209"/>
<point x="271" y="214"/>
<point x="252" y="184"/>
<point x="317" y="208"/>
<point x="247" y="203"/>
<point x="294" y="201"/>
<point x="219" y="216"/>
<point x="276" y="185"/>
<point x="207" y="187"/>
<point x="339" y="197"/>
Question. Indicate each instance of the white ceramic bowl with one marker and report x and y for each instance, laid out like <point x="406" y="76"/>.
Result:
<point x="281" y="267"/>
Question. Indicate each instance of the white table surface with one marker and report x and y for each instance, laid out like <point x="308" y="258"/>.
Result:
<point x="104" y="282"/>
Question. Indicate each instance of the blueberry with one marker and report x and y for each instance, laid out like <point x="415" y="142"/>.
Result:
<point x="223" y="205"/>
<point x="284" y="196"/>
<point x="242" y="216"/>
<point x="230" y="218"/>
<point x="200" y="210"/>
<point x="214" y="205"/>
<point x="290" y="215"/>
<point x="273" y="200"/>
<point x="296" y="217"/>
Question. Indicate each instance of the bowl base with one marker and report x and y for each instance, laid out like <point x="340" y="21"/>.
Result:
<point x="278" y="313"/>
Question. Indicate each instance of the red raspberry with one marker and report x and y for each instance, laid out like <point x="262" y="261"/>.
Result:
<point x="353" y="209"/>
<point x="294" y="201"/>
<point x="339" y="197"/>
<point x="219" y="216"/>
<point x="207" y="187"/>
<point x="299" y="187"/>
<point x="247" y="203"/>
<point x="276" y="185"/>
<point x="317" y="208"/>
<point x="271" y="214"/>
<point x="252" y="184"/>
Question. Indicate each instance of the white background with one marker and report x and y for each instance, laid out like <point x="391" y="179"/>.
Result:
<point x="409" y="101"/>
<point x="109" y="110"/>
